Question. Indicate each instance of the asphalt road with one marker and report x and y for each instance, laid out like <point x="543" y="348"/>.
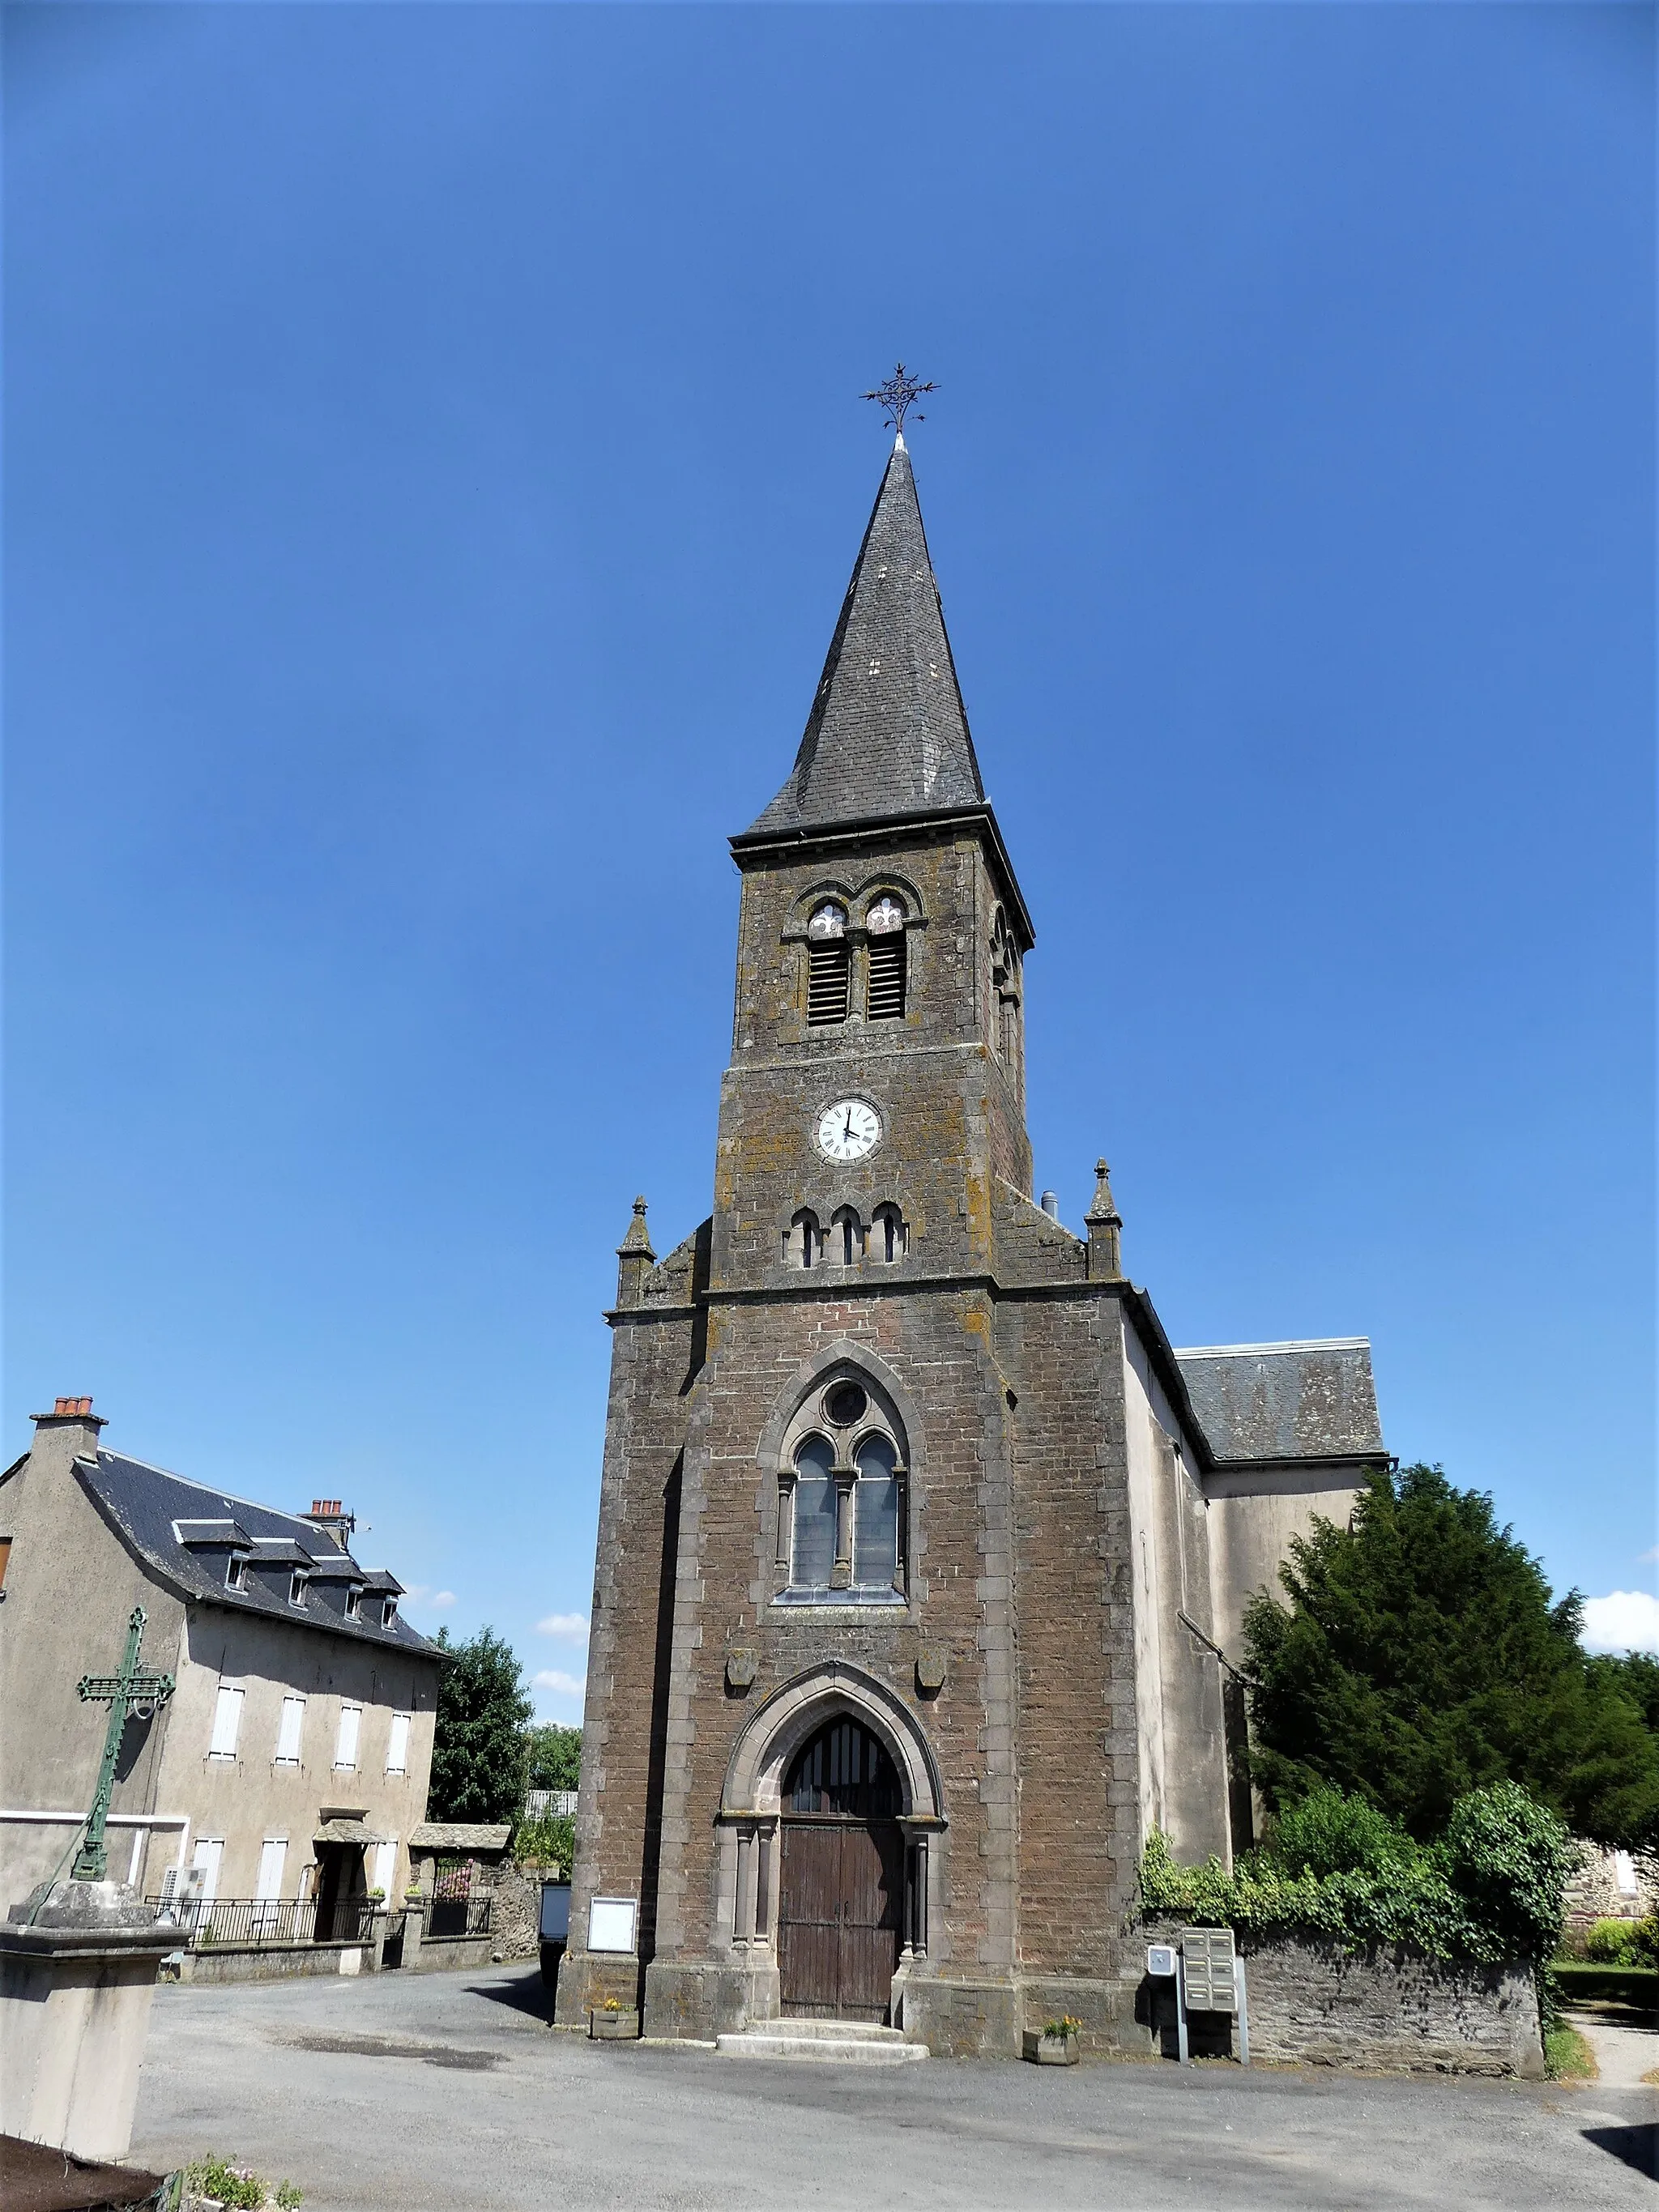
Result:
<point x="451" y="2090"/>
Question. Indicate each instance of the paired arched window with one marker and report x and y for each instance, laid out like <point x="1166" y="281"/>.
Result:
<point x="842" y="1500"/>
<point x="1005" y="991"/>
<point x="829" y="962"/>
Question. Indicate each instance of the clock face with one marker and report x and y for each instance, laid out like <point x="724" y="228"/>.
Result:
<point x="848" y="1130"/>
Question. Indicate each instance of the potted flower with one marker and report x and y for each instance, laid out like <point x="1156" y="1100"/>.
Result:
<point x="1057" y="2043"/>
<point x="613" y="2021"/>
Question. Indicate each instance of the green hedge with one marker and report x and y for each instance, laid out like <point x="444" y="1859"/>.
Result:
<point x="1489" y="1890"/>
<point x="1593" y="1985"/>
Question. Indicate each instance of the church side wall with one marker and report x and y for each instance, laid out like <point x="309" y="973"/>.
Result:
<point x="1183" y="1730"/>
<point x="625" y="1749"/>
<point x="1253" y="1518"/>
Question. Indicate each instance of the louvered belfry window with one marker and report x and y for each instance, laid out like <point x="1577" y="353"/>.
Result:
<point x="828" y="965"/>
<point x="885" y="1000"/>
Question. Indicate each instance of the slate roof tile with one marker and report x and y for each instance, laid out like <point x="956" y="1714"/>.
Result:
<point x="148" y="1505"/>
<point x="888" y="733"/>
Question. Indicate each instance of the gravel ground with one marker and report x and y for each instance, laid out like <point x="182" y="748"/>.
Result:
<point x="1624" y="2054"/>
<point x="451" y="2090"/>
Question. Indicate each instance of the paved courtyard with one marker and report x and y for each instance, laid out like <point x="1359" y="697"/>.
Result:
<point x="451" y="2090"/>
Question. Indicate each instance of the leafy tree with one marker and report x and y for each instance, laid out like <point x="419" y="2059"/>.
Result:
<point x="478" y="1757"/>
<point x="1421" y="1656"/>
<point x="555" y="1757"/>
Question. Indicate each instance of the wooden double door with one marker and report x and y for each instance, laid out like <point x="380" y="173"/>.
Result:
<point x="841" y="1906"/>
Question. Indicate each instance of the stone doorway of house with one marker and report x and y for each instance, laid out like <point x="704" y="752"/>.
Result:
<point x="340" y="1887"/>
<point x="841" y="1892"/>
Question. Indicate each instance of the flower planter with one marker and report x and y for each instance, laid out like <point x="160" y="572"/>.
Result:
<point x="1050" y="2050"/>
<point x="620" y="2026"/>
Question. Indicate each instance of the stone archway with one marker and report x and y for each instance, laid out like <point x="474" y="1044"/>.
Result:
<point x="823" y="1887"/>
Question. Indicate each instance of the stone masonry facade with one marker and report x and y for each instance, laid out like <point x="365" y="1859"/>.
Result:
<point x="1045" y="1672"/>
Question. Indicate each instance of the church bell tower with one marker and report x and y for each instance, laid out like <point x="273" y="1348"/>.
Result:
<point x="906" y="1622"/>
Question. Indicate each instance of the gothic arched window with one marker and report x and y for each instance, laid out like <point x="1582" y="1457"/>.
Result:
<point x="841" y="1500"/>
<point x="829" y="964"/>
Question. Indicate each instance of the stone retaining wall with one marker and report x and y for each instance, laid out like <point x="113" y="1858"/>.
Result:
<point x="1388" y="2010"/>
<point x="515" y="1918"/>
<point x="1393" y="2011"/>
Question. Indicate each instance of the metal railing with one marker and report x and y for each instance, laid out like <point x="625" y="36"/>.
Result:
<point x="456" y="1916"/>
<point x="259" y="1924"/>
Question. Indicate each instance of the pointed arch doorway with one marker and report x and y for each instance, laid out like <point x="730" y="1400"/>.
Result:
<point x="841" y="1875"/>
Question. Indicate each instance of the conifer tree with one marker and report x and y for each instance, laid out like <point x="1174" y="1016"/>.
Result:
<point x="1421" y="1654"/>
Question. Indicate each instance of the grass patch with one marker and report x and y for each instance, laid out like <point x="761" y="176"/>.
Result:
<point x="1567" y="2056"/>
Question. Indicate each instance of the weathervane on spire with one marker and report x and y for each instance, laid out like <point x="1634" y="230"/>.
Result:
<point x="897" y="395"/>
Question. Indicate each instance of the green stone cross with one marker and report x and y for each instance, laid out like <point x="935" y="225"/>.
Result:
<point x="131" y="1691"/>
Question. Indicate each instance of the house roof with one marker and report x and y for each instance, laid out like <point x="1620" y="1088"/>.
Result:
<point x="457" y="1836"/>
<point x="1307" y="1399"/>
<point x="188" y="1532"/>
<point x="888" y="733"/>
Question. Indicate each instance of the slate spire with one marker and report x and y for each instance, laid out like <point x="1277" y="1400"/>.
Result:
<point x="887" y="734"/>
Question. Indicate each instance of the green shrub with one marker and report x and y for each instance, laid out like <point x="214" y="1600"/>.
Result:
<point x="1490" y="1889"/>
<point x="235" y="2185"/>
<point x="552" y="1838"/>
<point x="1645" y="1941"/>
<point x="1611" y="1942"/>
<point x="1511" y="1859"/>
<point x="1329" y="1833"/>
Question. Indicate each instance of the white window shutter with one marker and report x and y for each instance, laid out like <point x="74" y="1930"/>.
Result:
<point x="271" y="1855"/>
<point x="207" y="1855"/>
<point x="397" y="1750"/>
<point x="226" y="1723"/>
<point x="291" y="1731"/>
<point x="345" y="1746"/>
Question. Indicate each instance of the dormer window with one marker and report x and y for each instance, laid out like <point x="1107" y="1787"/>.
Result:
<point x="236" y="1571"/>
<point x="296" y="1586"/>
<point x="828" y="965"/>
<point x="354" y="1604"/>
<point x="388" y="1612"/>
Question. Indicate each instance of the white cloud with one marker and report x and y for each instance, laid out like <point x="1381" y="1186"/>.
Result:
<point x="1624" y="1620"/>
<point x="420" y="1597"/>
<point x="1647" y="1558"/>
<point x="568" y="1628"/>
<point x="561" y="1684"/>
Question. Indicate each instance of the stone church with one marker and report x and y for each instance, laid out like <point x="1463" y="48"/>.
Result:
<point x="922" y="1555"/>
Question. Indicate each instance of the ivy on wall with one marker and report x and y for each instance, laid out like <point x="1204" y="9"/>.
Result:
<point x="1489" y="1889"/>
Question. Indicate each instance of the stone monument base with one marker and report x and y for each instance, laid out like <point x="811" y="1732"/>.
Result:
<point x="78" y="1961"/>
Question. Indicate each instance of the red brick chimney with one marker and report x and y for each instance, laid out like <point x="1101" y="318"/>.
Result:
<point x="65" y="1410"/>
<point x="328" y="1516"/>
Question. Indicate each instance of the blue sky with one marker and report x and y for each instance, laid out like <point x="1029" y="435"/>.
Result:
<point x="434" y="461"/>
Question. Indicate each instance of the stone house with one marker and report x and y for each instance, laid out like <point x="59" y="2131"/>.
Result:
<point x="922" y="1553"/>
<point x="291" y="1761"/>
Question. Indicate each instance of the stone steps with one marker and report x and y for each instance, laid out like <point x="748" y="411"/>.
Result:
<point x="822" y="2042"/>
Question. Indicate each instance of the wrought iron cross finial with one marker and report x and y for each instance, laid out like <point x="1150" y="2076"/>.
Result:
<point x="133" y="1689"/>
<point x="897" y="395"/>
